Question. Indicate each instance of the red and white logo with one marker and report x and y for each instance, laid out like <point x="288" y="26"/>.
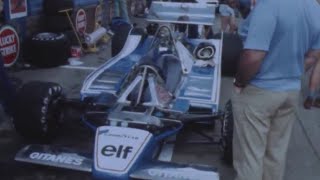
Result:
<point x="9" y="45"/>
<point x="81" y="21"/>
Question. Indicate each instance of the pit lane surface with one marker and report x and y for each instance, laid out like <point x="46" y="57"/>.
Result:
<point x="303" y="156"/>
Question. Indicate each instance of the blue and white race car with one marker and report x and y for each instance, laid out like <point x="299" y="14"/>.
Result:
<point x="134" y="102"/>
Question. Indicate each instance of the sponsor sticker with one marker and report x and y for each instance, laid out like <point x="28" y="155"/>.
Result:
<point x="165" y="174"/>
<point x="9" y="45"/>
<point x="117" y="148"/>
<point x="182" y="173"/>
<point x="63" y="159"/>
<point x="81" y="21"/>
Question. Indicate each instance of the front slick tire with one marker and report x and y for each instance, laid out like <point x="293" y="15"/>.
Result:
<point x="37" y="114"/>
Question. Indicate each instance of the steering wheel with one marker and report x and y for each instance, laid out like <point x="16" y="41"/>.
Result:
<point x="145" y="70"/>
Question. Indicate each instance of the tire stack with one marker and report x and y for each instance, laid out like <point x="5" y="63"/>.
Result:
<point x="48" y="50"/>
<point x="52" y="47"/>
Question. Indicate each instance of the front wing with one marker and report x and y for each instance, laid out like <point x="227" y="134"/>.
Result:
<point x="56" y="157"/>
<point x="156" y="170"/>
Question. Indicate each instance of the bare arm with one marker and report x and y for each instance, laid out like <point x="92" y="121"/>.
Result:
<point x="315" y="78"/>
<point x="249" y="65"/>
<point x="311" y="59"/>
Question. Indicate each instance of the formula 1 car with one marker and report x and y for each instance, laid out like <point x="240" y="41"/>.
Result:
<point x="151" y="90"/>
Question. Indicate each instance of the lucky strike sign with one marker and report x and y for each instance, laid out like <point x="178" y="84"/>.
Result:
<point x="9" y="45"/>
<point x="81" y="21"/>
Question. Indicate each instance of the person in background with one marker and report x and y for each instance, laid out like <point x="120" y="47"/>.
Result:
<point x="6" y="89"/>
<point x="227" y="15"/>
<point x="1" y="6"/>
<point x="277" y="44"/>
<point x="148" y="5"/>
<point x="120" y="10"/>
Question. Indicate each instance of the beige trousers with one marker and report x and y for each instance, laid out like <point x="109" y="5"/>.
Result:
<point x="263" y="122"/>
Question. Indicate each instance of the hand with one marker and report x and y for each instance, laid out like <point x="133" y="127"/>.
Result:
<point x="308" y="102"/>
<point x="238" y="90"/>
<point x="316" y="103"/>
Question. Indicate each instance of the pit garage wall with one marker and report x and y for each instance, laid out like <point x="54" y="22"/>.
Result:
<point x="34" y="20"/>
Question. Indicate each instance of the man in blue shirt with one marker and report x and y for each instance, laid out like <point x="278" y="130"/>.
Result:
<point x="277" y="43"/>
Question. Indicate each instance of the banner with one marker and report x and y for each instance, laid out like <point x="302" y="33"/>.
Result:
<point x="17" y="8"/>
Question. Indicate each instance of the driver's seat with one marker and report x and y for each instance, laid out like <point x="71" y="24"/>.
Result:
<point x="171" y="70"/>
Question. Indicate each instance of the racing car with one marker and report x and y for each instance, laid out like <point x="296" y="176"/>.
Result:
<point x="150" y="91"/>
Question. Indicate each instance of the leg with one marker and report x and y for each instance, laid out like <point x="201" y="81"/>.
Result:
<point x="144" y="2"/>
<point x="124" y="10"/>
<point x="116" y="10"/>
<point x="149" y="2"/>
<point x="251" y="125"/>
<point x="224" y="23"/>
<point x="233" y="24"/>
<point x="278" y="139"/>
<point x="224" y="17"/>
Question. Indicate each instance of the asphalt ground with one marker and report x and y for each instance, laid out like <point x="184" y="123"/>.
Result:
<point x="303" y="155"/>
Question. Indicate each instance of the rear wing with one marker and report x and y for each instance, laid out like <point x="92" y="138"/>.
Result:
<point x="183" y="13"/>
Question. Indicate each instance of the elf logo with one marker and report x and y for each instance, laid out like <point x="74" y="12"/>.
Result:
<point x="118" y="152"/>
